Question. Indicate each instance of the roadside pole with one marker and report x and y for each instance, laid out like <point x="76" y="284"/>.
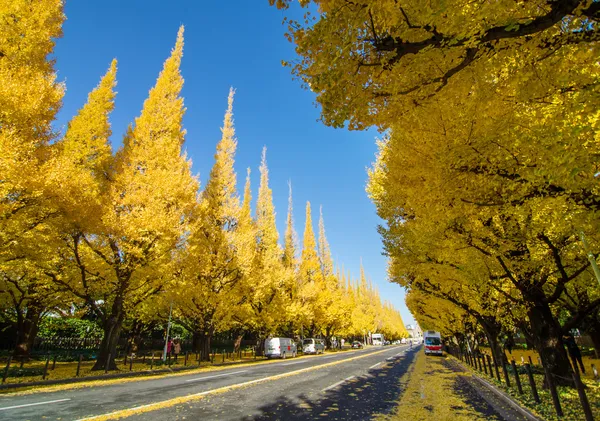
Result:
<point x="590" y="256"/>
<point x="164" y="356"/>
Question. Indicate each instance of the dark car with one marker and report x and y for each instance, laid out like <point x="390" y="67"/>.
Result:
<point x="356" y="345"/>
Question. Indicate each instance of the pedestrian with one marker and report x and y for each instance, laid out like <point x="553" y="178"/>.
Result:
<point x="574" y="351"/>
<point x="169" y="347"/>
<point x="176" y="348"/>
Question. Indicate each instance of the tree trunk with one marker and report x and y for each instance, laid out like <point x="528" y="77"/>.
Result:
<point x="196" y="341"/>
<point x="112" y="331"/>
<point x="529" y="342"/>
<point x="328" y="335"/>
<point x="593" y="330"/>
<point x="204" y="341"/>
<point x="135" y="337"/>
<point x="27" y="328"/>
<point x="260" y="346"/>
<point x="547" y="339"/>
<point x="237" y="343"/>
<point x="492" y="329"/>
<point x="311" y="330"/>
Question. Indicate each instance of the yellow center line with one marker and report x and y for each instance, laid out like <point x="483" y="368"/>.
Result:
<point x="198" y="396"/>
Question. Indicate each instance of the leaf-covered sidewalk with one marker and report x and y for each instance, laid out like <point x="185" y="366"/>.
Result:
<point x="432" y="390"/>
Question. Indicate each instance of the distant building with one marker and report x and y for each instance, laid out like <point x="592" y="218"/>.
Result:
<point x="414" y="331"/>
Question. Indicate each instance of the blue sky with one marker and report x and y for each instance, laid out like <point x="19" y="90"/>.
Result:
<point x="241" y="44"/>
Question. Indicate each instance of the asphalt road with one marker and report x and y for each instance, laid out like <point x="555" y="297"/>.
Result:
<point x="337" y="386"/>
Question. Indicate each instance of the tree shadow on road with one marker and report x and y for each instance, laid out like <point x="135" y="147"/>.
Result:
<point x="375" y="392"/>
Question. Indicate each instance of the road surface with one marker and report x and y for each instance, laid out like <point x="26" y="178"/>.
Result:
<point x="345" y="385"/>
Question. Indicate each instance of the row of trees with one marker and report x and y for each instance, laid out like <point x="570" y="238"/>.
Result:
<point x="125" y="236"/>
<point x="487" y="173"/>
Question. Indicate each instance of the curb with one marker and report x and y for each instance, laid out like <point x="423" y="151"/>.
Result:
<point x="93" y="378"/>
<point x="504" y="397"/>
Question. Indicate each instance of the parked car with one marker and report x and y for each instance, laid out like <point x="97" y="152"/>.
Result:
<point x="357" y="345"/>
<point x="403" y="341"/>
<point x="280" y="348"/>
<point x="313" y="346"/>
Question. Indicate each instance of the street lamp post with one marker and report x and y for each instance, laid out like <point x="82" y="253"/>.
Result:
<point x="590" y="256"/>
<point x="164" y="358"/>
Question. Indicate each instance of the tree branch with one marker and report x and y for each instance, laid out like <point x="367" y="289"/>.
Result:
<point x="509" y="273"/>
<point x="558" y="11"/>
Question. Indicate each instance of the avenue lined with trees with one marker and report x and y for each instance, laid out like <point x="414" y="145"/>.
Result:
<point x="121" y="237"/>
<point x="486" y="180"/>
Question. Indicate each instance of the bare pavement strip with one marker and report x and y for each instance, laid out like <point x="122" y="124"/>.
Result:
<point x="171" y="390"/>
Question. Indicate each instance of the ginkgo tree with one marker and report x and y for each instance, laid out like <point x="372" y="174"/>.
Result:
<point x="333" y="311"/>
<point x="264" y="283"/>
<point x="121" y="257"/>
<point x="210" y="270"/>
<point x="30" y="97"/>
<point x="310" y="279"/>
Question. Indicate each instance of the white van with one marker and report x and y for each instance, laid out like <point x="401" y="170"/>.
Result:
<point x="313" y="346"/>
<point x="280" y="348"/>
<point x="433" y="343"/>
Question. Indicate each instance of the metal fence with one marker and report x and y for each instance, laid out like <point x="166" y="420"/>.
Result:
<point x="513" y="374"/>
<point x="46" y="344"/>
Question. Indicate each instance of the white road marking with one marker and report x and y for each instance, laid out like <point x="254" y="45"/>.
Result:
<point x="331" y="356"/>
<point x="33" y="404"/>
<point x="199" y="379"/>
<point x="375" y="365"/>
<point x="333" y="386"/>
<point x="295" y="362"/>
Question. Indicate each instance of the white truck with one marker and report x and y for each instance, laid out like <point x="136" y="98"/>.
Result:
<point x="378" y="339"/>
